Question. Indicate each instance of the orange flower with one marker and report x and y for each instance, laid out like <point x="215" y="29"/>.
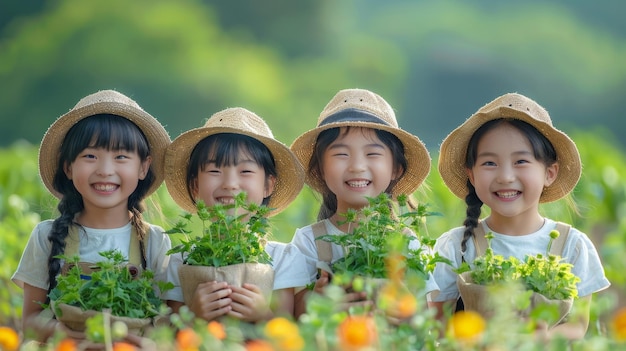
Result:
<point x="618" y="325"/>
<point x="9" y="340"/>
<point x="188" y="340"/>
<point x="357" y="333"/>
<point x="67" y="344"/>
<point x="216" y="329"/>
<point x="397" y="301"/>
<point x="259" y="345"/>
<point x="466" y="326"/>
<point x="124" y="346"/>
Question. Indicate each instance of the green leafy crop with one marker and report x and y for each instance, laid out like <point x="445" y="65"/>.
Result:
<point x="111" y="286"/>
<point x="377" y="233"/>
<point x="231" y="234"/>
<point x="544" y="274"/>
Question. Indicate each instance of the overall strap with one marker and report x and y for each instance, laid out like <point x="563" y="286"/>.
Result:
<point x="324" y="250"/>
<point x="136" y="250"/>
<point x="559" y="243"/>
<point x="480" y="242"/>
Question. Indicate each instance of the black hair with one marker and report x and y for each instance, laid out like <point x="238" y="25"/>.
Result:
<point x="543" y="151"/>
<point x="329" y="200"/>
<point x="224" y="149"/>
<point x="110" y="132"/>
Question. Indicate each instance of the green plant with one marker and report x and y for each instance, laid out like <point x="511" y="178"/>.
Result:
<point x="377" y="233"/>
<point x="111" y="286"/>
<point x="231" y="234"/>
<point x="543" y="274"/>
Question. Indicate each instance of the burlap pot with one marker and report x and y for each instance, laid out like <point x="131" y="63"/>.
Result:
<point x="74" y="318"/>
<point x="259" y="274"/>
<point x="476" y="298"/>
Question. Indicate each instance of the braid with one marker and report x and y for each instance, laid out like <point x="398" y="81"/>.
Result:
<point x="473" y="213"/>
<point x="328" y="207"/>
<point x="69" y="206"/>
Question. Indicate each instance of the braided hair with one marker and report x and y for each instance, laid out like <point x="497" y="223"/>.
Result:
<point x="329" y="200"/>
<point x="543" y="151"/>
<point x="106" y="131"/>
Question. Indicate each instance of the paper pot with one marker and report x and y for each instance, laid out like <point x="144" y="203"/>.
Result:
<point x="259" y="274"/>
<point x="74" y="318"/>
<point x="476" y="298"/>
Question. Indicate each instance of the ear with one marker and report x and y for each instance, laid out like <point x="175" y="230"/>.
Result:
<point x="470" y="175"/>
<point x="145" y="167"/>
<point x="397" y="173"/>
<point x="193" y="187"/>
<point x="270" y="182"/>
<point x="67" y="169"/>
<point x="552" y="172"/>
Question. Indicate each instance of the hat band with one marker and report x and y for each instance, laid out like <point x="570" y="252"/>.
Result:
<point x="352" y="115"/>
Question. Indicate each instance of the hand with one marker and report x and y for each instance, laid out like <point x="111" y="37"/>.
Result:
<point x="249" y="304"/>
<point x="321" y="282"/>
<point x="211" y="300"/>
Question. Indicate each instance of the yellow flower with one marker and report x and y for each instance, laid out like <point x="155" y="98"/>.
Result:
<point x="357" y="333"/>
<point x="216" y="329"/>
<point x="466" y="326"/>
<point x="284" y="334"/>
<point x="9" y="340"/>
<point x="280" y="327"/>
<point x="618" y="325"/>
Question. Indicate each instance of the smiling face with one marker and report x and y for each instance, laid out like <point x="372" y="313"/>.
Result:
<point x="106" y="178"/>
<point x="219" y="184"/>
<point x="357" y="165"/>
<point x="507" y="176"/>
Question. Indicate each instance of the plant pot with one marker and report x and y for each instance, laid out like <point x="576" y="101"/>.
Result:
<point x="476" y="298"/>
<point x="74" y="318"/>
<point x="259" y="274"/>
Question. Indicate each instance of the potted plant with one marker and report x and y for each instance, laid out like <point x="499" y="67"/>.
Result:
<point x="124" y="291"/>
<point x="382" y="251"/>
<point x="548" y="282"/>
<point x="229" y="247"/>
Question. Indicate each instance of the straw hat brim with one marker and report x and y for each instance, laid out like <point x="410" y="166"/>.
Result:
<point x="157" y="136"/>
<point x="453" y="153"/>
<point x="289" y="180"/>
<point x="417" y="156"/>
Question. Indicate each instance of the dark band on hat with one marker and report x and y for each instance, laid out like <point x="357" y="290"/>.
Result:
<point x="352" y="115"/>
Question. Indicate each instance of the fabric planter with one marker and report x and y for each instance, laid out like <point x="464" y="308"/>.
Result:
<point x="259" y="274"/>
<point x="74" y="318"/>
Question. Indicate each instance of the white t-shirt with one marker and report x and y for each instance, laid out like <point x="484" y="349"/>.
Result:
<point x="33" y="266"/>
<point x="304" y="240"/>
<point x="578" y="250"/>
<point x="288" y="264"/>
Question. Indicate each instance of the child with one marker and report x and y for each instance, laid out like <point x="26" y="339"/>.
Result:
<point x="101" y="159"/>
<point x="509" y="157"/>
<point x="356" y="151"/>
<point x="235" y="152"/>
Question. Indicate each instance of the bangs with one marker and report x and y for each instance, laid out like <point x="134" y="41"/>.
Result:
<point x="109" y="132"/>
<point x="228" y="149"/>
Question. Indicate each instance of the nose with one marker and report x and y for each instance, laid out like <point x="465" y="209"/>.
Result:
<point x="506" y="175"/>
<point x="230" y="181"/>
<point x="105" y="167"/>
<point x="357" y="164"/>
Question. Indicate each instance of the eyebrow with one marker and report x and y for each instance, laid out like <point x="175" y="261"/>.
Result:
<point x="493" y="154"/>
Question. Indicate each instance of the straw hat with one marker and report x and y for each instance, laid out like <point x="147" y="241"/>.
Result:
<point x="103" y="102"/>
<point x="454" y="147"/>
<point x="363" y="108"/>
<point x="290" y="175"/>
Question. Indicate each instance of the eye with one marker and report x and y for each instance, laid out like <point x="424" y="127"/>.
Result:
<point x="488" y="163"/>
